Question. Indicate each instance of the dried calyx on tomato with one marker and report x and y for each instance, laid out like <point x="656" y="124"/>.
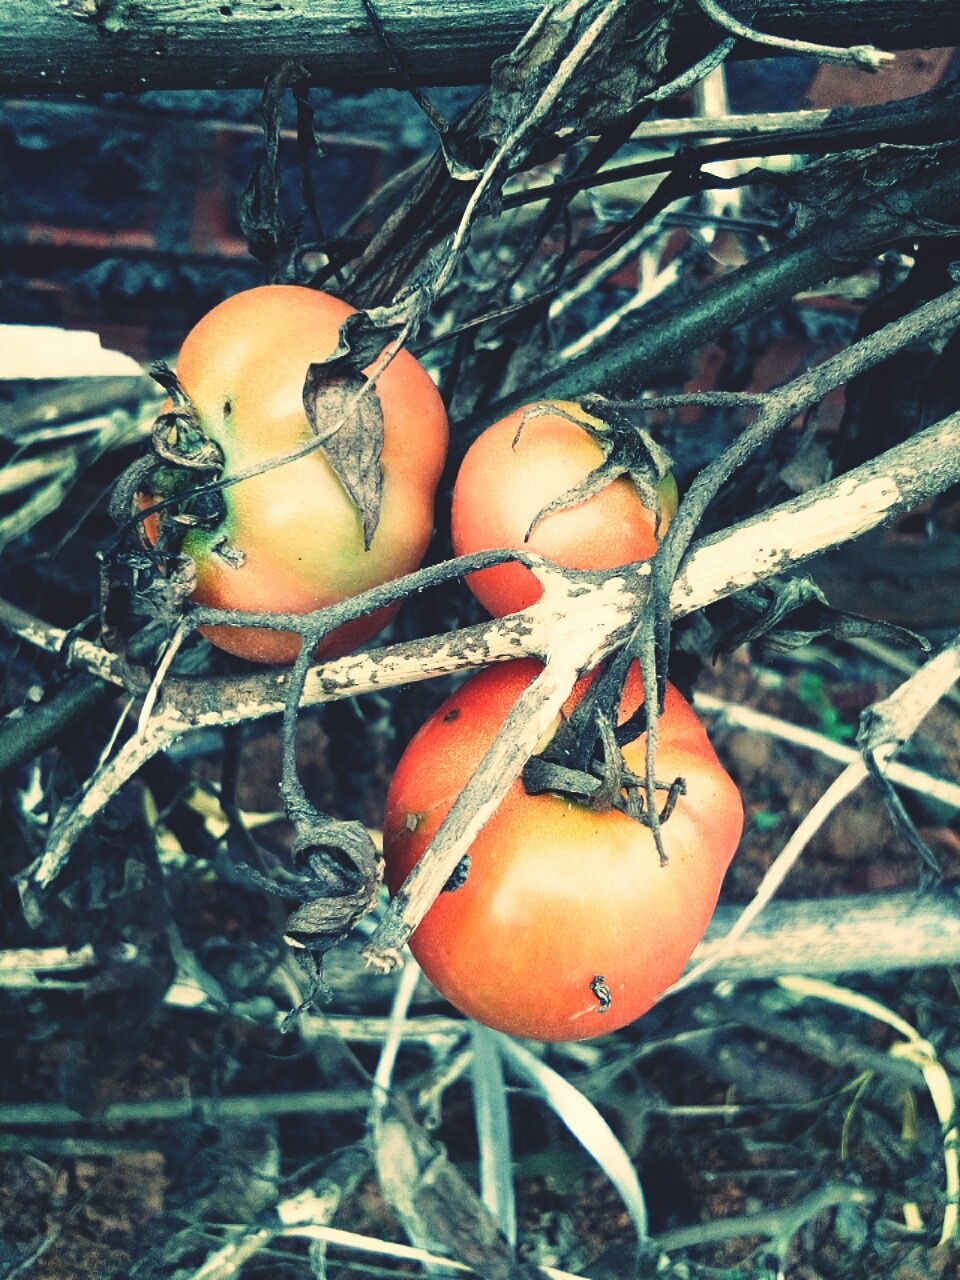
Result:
<point x="339" y="468"/>
<point x="566" y="923"/>
<point x="584" y="758"/>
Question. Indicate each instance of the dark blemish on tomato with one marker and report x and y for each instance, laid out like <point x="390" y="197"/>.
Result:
<point x="459" y="877"/>
<point x="602" y="992"/>
<point x="451" y="715"/>
<point x="227" y="408"/>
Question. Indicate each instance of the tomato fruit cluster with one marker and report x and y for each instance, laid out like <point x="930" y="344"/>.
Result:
<point x="566" y="925"/>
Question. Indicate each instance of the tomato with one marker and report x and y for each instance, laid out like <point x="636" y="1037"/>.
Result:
<point x="504" y="482"/>
<point x="563" y="907"/>
<point x="292" y="539"/>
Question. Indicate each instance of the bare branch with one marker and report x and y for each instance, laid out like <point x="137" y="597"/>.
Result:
<point x="732" y="716"/>
<point x="580" y="617"/>
<point x="86" y="45"/>
<point x="865" y="56"/>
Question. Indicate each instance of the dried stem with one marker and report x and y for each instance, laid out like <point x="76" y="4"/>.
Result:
<point x="866" y="57"/>
<point x="598" y="608"/>
<point x="776" y="1225"/>
<point x="732" y="716"/>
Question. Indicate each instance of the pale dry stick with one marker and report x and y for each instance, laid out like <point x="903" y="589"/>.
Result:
<point x="576" y="608"/>
<point x="114" y="429"/>
<point x="866" y="933"/>
<point x="731" y="716"/>
<point x="314" y="1207"/>
<point x="455" y="1068"/>
<point x="111" y="432"/>
<point x="427" y="1029"/>
<point x="865" y="56"/>
<point x="21" y="475"/>
<point x="105" y="784"/>
<point x="710" y="99"/>
<point x="383" y="1075"/>
<point x="229" y="1258"/>
<point x="693" y="75"/>
<point x="895" y="718"/>
<point x="83" y="654"/>
<point x="47" y="499"/>
<point x="491" y="1124"/>
<point x="895" y="659"/>
<point x="898" y="716"/>
<point x="350" y="1240"/>
<point x="111" y="742"/>
<point x="588" y="282"/>
<point x="213" y="1110"/>
<point x="733" y="126"/>
<point x="149" y="701"/>
<point x="651" y="285"/>
<point x="60" y="959"/>
<point x="773" y="1224"/>
<point x="838" y="791"/>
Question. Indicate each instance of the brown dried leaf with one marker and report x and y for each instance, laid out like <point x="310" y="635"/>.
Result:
<point x="349" y="426"/>
<point x="618" y="70"/>
<point x="362" y="339"/>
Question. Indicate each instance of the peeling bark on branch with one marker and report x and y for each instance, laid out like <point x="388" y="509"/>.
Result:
<point x="68" y="46"/>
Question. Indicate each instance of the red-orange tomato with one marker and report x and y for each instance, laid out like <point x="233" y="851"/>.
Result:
<point x="563" y="908"/>
<point x="504" y="482"/>
<point x="295" y="529"/>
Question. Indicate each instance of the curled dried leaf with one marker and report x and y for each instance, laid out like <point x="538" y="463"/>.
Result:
<point x="765" y="610"/>
<point x="345" y="414"/>
<point x="177" y="435"/>
<point x="342" y="872"/>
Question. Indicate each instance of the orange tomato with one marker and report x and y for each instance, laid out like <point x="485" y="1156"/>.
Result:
<point x="292" y="539"/>
<point x="566" y="926"/>
<point x="505" y="481"/>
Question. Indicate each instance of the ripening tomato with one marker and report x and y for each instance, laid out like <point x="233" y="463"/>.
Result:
<point x="292" y="539"/>
<point x="504" y="482"/>
<point x="566" y="925"/>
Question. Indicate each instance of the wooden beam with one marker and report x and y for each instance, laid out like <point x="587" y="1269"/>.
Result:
<point x="71" y="46"/>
